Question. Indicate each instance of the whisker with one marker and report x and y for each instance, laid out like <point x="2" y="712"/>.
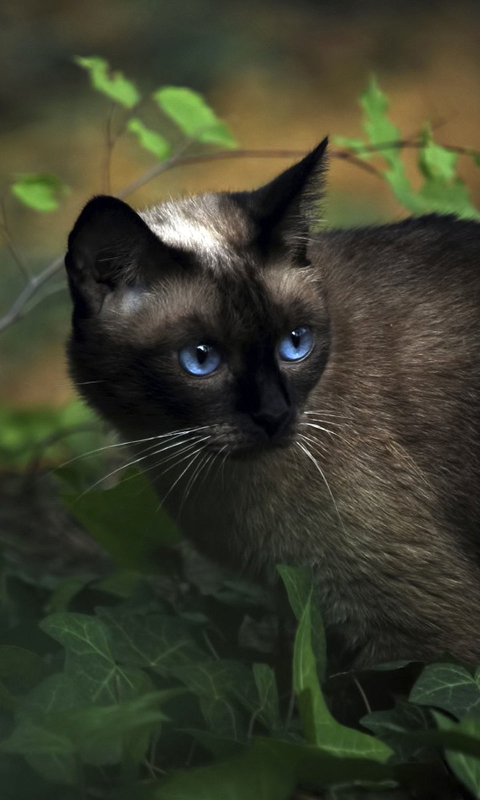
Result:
<point x="131" y="463"/>
<point x="196" y="473"/>
<point x="315" y="462"/>
<point x="193" y="459"/>
<point x="171" y="434"/>
<point x="320" y="428"/>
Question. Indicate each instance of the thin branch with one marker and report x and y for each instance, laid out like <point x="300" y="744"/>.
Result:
<point x="32" y="286"/>
<point x="110" y="140"/>
<point x="15" y="311"/>
<point x="362" y="693"/>
<point x="5" y="228"/>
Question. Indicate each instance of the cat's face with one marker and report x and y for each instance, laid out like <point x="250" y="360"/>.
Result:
<point x="202" y="314"/>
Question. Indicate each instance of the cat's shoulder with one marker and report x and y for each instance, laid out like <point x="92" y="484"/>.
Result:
<point x="439" y="241"/>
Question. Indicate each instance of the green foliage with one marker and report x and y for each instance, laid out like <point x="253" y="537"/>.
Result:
<point x="193" y="116"/>
<point x="127" y="520"/>
<point x="114" y="85"/>
<point x="39" y="192"/>
<point x="441" y="191"/>
<point x="149" y="140"/>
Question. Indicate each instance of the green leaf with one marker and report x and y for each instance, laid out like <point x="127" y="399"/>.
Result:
<point x="316" y="765"/>
<point x="89" y="660"/>
<point x="156" y="641"/>
<point x="269" y="710"/>
<point x="402" y="188"/>
<point x="312" y="706"/>
<point x="356" y="146"/>
<point x="50" y="754"/>
<point x="390" y="725"/>
<point x="258" y="774"/>
<point x="39" y="191"/>
<point x="54" y="695"/>
<point x="448" y="198"/>
<point x="191" y="113"/>
<point x="434" y="161"/>
<point x="64" y="593"/>
<point x="20" y="669"/>
<point x="377" y="126"/>
<point x="475" y="157"/>
<point x="126" y="520"/>
<point x="449" y="687"/>
<point x="465" y="767"/>
<point x="319" y="727"/>
<point x="114" y="85"/>
<point x="100" y="732"/>
<point x="149" y="140"/>
<point x="216" y="743"/>
<point x="299" y="585"/>
<point x="28" y="738"/>
<point x="221" y="685"/>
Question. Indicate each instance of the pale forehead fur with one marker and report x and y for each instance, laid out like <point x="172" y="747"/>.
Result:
<point x="209" y="224"/>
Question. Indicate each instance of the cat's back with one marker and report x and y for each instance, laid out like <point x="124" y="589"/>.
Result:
<point x="424" y="250"/>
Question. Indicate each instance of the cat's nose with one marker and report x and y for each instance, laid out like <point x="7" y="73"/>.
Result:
<point x="272" y="421"/>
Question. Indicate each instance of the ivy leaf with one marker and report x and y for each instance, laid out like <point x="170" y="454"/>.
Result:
<point x="89" y="660"/>
<point x="54" y="695"/>
<point x="114" y="85"/>
<point x="149" y="140"/>
<point x="221" y="685"/>
<point x="126" y="520"/>
<point x="39" y="191"/>
<point x="156" y="641"/>
<point x="193" y="116"/>
<point x="390" y="726"/>
<point x="101" y="732"/>
<point x="465" y="767"/>
<point x="20" y="669"/>
<point x="258" y="773"/>
<point x="50" y="754"/>
<point x="449" y="687"/>
<point x="269" y="710"/>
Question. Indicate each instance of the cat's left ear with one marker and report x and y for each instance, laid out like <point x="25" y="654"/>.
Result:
<point x="109" y="247"/>
<point x="288" y="208"/>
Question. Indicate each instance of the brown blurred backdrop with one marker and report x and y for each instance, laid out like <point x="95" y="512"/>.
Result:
<point x="281" y="73"/>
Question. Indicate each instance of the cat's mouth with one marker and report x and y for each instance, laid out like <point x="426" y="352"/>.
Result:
<point x="252" y="450"/>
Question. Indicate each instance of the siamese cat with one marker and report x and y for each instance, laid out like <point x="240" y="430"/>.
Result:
<point x="299" y="397"/>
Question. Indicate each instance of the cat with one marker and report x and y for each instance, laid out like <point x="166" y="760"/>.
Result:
<point x="310" y="398"/>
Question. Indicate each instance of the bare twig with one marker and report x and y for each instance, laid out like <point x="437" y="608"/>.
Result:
<point x="15" y="311"/>
<point x="362" y="694"/>
<point x="110" y="140"/>
<point x="34" y="283"/>
<point x="5" y="228"/>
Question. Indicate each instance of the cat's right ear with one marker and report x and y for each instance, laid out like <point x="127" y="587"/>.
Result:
<point x="110" y="246"/>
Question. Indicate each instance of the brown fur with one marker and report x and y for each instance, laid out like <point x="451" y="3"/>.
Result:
<point x="383" y="500"/>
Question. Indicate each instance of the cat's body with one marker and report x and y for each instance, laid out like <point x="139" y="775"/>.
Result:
<point x="361" y="458"/>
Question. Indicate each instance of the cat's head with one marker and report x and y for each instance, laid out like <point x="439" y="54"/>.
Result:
<point x="202" y="313"/>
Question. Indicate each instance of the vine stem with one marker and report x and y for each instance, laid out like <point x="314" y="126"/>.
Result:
<point x="34" y="283"/>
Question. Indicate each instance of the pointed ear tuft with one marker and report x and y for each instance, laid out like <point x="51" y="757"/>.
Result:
<point x="109" y="246"/>
<point x="288" y="208"/>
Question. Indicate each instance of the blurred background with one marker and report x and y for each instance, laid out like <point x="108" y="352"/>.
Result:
<point x="282" y="74"/>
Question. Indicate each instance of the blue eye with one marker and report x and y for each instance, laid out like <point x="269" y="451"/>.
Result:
<point x="199" y="359"/>
<point x="296" y="345"/>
